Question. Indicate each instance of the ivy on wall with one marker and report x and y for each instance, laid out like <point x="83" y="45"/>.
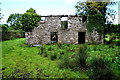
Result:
<point x="96" y="21"/>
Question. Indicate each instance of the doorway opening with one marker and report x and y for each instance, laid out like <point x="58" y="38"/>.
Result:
<point x="54" y="36"/>
<point x="81" y="37"/>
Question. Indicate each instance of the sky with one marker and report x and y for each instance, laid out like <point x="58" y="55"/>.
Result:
<point x="42" y="7"/>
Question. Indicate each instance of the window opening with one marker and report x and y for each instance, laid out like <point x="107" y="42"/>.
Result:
<point x="42" y="20"/>
<point x="64" y="23"/>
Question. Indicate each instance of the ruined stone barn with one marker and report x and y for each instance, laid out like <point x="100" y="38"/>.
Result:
<point x="59" y="28"/>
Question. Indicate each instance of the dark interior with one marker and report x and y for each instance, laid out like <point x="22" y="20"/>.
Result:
<point x="54" y="36"/>
<point x="81" y="37"/>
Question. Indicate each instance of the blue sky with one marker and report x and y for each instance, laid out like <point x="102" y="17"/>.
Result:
<point x="42" y="7"/>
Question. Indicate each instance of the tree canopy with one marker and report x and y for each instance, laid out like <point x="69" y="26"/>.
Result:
<point x="89" y="8"/>
<point x="30" y="20"/>
<point x="14" y="21"/>
<point x="98" y="15"/>
<point x="94" y="7"/>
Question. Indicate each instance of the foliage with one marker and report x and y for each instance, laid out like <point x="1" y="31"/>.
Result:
<point x="22" y="61"/>
<point x="100" y="70"/>
<point x="15" y="21"/>
<point x="95" y="21"/>
<point x="104" y="55"/>
<point x="30" y="20"/>
<point x="112" y="39"/>
<point x="4" y="27"/>
<point x="77" y="60"/>
<point x="88" y="8"/>
<point x="81" y="56"/>
<point x="64" y="25"/>
<point x="97" y="13"/>
<point x="31" y="10"/>
<point x="8" y="33"/>
<point x="112" y="28"/>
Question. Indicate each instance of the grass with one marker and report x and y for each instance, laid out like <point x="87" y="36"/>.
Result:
<point x="21" y="61"/>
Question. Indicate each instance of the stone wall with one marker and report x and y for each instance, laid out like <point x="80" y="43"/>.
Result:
<point x="41" y="34"/>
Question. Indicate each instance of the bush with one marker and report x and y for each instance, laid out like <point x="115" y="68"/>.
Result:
<point x="81" y="56"/>
<point x="12" y="34"/>
<point x="53" y="56"/>
<point x="50" y="48"/>
<point x="100" y="70"/>
<point x="76" y="60"/>
<point x="64" y="62"/>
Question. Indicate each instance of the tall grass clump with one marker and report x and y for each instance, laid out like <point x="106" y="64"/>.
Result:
<point x="64" y="62"/>
<point x="100" y="70"/>
<point x="59" y="45"/>
<point x="41" y="51"/>
<point x="81" y="56"/>
<point x="53" y="56"/>
<point x="75" y="61"/>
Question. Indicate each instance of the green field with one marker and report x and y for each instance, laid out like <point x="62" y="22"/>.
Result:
<point x="59" y="60"/>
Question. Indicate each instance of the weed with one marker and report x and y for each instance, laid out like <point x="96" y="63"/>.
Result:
<point x="100" y="70"/>
<point x="81" y="56"/>
<point x="64" y="62"/>
<point x="41" y="51"/>
<point x="59" y="45"/>
<point x="53" y="56"/>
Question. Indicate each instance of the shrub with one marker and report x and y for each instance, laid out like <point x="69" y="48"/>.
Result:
<point x="64" y="62"/>
<point x="50" y="48"/>
<point x="76" y="60"/>
<point x="100" y="70"/>
<point x="62" y="53"/>
<point x="45" y="54"/>
<point x="81" y="56"/>
<point x="53" y="56"/>
<point x="12" y="37"/>
<point x="59" y="56"/>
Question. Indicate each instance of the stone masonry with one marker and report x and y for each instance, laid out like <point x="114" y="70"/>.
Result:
<point x="41" y="34"/>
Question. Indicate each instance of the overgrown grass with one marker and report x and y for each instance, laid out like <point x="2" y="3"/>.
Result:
<point x="21" y="61"/>
<point x="60" y="61"/>
<point x="83" y="58"/>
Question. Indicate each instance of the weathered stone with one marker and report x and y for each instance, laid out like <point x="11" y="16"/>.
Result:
<point x="41" y="34"/>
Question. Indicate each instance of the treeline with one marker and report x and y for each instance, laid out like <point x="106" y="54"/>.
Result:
<point x="114" y="28"/>
<point x="18" y="24"/>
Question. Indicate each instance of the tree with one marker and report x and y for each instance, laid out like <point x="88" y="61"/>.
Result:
<point x="4" y="27"/>
<point x="96" y="13"/>
<point x="14" y="21"/>
<point x="91" y="8"/>
<point x="30" y="20"/>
